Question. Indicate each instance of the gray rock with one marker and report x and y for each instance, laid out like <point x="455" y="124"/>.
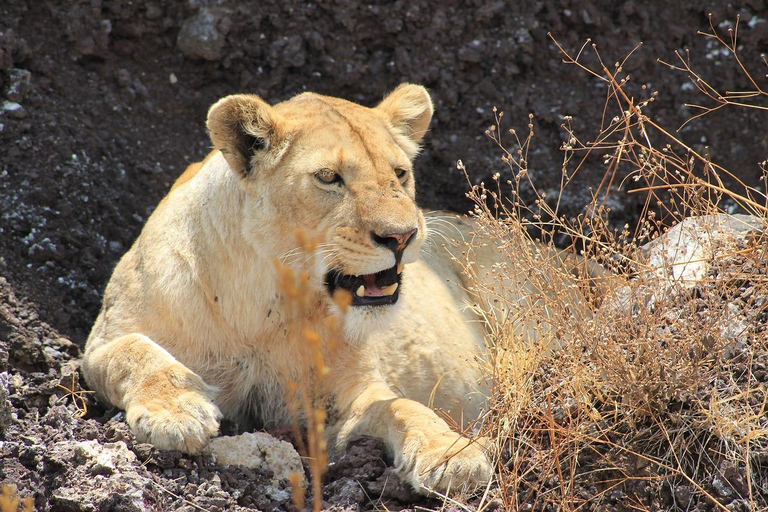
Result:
<point x="18" y="87"/>
<point x="287" y="50"/>
<point x="99" y="477"/>
<point x="199" y="38"/>
<point x="5" y="405"/>
<point x="721" y="486"/>
<point x="345" y="492"/>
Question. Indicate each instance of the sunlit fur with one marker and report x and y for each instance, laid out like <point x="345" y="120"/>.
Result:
<point x="195" y="323"/>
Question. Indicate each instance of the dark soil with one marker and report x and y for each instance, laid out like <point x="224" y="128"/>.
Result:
<point x="113" y="96"/>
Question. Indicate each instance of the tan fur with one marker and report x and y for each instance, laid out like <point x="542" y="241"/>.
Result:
<point x="191" y="171"/>
<point x="194" y="324"/>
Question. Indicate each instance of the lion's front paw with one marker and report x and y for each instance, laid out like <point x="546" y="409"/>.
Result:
<point x="174" y="412"/>
<point x="449" y="464"/>
<point x="185" y="422"/>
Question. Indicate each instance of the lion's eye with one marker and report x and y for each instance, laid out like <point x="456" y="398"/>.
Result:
<point x="328" y="177"/>
<point x="401" y="173"/>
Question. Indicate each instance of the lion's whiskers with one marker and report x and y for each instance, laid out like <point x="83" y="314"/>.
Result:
<point x="443" y="221"/>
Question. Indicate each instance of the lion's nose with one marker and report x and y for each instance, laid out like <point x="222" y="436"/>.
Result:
<point x="395" y="242"/>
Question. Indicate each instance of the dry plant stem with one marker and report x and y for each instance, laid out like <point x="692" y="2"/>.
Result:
<point x="78" y="396"/>
<point x="729" y="98"/>
<point x="304" y="398"/>
<point x="630" y="109"/>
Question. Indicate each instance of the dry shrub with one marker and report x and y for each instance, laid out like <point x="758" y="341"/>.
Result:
<point x="659" y="397"/>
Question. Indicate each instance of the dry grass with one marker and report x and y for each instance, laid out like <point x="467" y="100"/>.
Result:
<point x="79" y="396"/>
<point x="659" y="401"/>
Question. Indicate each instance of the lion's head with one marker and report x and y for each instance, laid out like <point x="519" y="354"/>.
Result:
<point x="340" y="173"/>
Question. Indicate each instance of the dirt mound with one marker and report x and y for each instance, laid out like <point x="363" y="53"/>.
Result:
<point x="102" y="105"/>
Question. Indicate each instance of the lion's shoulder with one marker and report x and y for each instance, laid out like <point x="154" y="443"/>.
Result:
<point x="191" y="171"/>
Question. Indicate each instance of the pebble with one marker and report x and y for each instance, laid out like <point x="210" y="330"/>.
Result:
<point x="18" y="88"/>
<point x="13" y="109"/>
<point x="199" y="38"/>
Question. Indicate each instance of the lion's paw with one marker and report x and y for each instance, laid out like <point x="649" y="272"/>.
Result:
<point x="183" y="420"/>
<point x="449" y="464"/>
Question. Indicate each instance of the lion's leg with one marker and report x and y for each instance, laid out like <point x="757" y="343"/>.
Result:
<point x="428" y="454"/>
<point x="165" y="403"/>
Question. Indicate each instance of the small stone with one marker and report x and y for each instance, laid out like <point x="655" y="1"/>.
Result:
<point x="143" y="452"/>
<point x="10" y="106"/>
<point x="123" y="77"/>
<point x="13" y="109"/>
<point x="140" y="88"/>
<point x="53" y="353"/>
<point x="721" y="486"/>
<point x="18" y="89"/>
<point x="86" y="46"/>
<point x="153" y="12"/>
<point x="345" y="492"/>
<point x="199" y="38"/>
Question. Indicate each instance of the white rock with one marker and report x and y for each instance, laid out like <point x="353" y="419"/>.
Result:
<point x="105" y="458"/>
<point x="680" y="259"/>
<point x="258" y="450"/>
<point x="10" y="106"/>
<point x="683" y="255"/>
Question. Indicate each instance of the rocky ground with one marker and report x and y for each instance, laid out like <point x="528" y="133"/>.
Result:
<point x="102" y="104"/>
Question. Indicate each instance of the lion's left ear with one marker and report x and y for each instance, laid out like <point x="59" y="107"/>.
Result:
<point x="409" y="109"/>
<point x="245" y="129"/>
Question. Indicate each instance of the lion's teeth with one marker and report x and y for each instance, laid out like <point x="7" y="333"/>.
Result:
<point x="400" y="268"/>
<point x="360" y="291"/>
<point x="389" y="290"/>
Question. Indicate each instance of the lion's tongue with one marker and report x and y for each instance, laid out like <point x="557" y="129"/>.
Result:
<point x="371" y="288"/>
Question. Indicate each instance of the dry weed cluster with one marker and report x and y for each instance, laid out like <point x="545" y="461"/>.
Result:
<point x="304" y="395"/>
<point x="659" y="400"/>
<point x="11" y="502"/>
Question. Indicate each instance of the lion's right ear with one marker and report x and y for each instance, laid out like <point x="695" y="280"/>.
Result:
<point x="409" y="109"/>
<point x="242" y="126"/>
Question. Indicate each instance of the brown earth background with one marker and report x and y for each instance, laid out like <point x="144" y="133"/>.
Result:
<point x="104" y="103"/>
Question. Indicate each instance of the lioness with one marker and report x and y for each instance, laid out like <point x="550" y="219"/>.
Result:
<point x="195" y="325"/>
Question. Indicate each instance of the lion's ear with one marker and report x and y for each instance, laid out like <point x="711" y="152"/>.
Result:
<point x="409" y="109"/>
<point x="242" y="126"/>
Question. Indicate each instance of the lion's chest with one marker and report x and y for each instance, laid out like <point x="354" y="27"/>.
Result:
<point x="260" y="375"/>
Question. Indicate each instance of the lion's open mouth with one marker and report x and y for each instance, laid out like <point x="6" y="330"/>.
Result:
<point x="377" y="289"/>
